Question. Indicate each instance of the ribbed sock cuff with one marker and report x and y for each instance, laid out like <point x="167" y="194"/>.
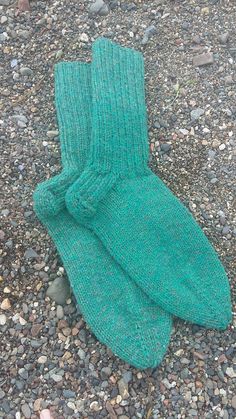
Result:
<point x="73" y="100"/>
<point x="119" y="140"/>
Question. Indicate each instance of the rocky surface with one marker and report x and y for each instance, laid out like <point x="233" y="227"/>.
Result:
<point x="49" y="358"/>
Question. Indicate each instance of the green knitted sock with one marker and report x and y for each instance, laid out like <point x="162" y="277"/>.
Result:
<point x="117" y="310"/>
<point x="141" y="223"/>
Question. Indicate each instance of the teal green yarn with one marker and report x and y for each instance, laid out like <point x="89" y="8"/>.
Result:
<point x="118" y="312"/>
<point x="141" y="223"/>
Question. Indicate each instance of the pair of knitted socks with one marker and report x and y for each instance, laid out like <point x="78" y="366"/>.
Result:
<point x="133" y="253"/>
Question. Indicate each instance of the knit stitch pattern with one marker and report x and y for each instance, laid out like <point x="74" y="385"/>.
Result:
<point x="141" y="223"/>
<point x="118" y="312"/>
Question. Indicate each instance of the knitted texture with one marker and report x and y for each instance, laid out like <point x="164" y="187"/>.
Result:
<point x="141" y="223"/>
<point x="117" y="310"/>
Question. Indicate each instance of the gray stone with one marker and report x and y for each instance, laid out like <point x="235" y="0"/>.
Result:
<point x="81" y="353"/>
<point x="26" y="71"/>
<point x="59" y="290"/>
<point x="230" y="372"/>
<point x="229" y="79"/>
<point x="123" y="389"/>
<point x="165" y="147"/>
<point x="19" y="118"/>
<point x="82" y="335"/>
<point x="233" y="402"/>
<point x="30" y="254"/>
<point x="5" y="405"/>
<point x="105" y="372"/>
<point x="211" y="154"/>
<point x="3" y="36"/>
<point x="99" y="8"/>
<point x="20" y="384"/>
<point x="196" y="39"/>
<point x="5" y="212"/>
<point x="14" y="63"/>
<point x="23" y="33"/>
<point x="2" y="394"/>
<point x="166" y="383"/>
<point x="192" y="412"/>
<point x="226" y="230"/>
<point x="69" y="394"/>
<point x="184" y="361"/>
<point x="26" y="410"/>
<point x="224" y="37"/>
<point x="151" y="30"/>
<point x="184" y="373"/>
<point x="23" y="373"/>
<point x="21" y="124"/>
<point x="196" y="113"/>
<point x="36" y="343"/>
<point x="56" y="377"/>
<point x="203" y="59"/>
<point x="127" y="376"/>
<point x="53" y="133"/>
<point x="4" y="2"/>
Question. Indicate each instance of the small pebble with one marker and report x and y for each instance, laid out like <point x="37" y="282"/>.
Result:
<point x="5" y="304"/>
<point x="99" y="7"/>
<point x="26" y="411"/>
<point x="203" y="59"/>
<point x="165" y="147"/>
<point x="222" y="147"/>
<point x="224" y="37"/>
<point x="84" y="38"/>
<point x="52" y="133"/>
<point x="3" y="319"/>
<point x="196" y="113"/>
<point x="42" y="359"/>
<point x="26" y="71"/>
<point x="60" y="312"/>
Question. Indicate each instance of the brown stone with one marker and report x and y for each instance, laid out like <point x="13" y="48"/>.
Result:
<point x="37" y="404"/>
<point x="66" y="331"/>
<point x="35" y="329"/>
<point x="199" y="355"/>
<point x="23" y="5"/>
<point x="5" y="305"/>
<point x="62" y="324"/>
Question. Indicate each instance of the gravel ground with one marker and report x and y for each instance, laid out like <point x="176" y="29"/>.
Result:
<point x="49" y="358"/>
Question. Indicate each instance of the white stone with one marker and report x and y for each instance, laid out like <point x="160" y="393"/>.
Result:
<point x="3" y="19"/>
<point x="222" y="147"/>
<point x="94" y="406"/>
<point x="230" y="372"/>
<point x="3" y="319"/>
<point x="42" y="359"/>
<point x="84" y="37"/>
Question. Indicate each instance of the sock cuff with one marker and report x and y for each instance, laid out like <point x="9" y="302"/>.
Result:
<point x="73" y="106"/>
<point x="119" y="130"/>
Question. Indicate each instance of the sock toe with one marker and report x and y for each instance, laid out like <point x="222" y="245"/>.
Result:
<point x="46" y="204"/>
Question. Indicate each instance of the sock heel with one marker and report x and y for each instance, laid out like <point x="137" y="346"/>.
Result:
<point x="49" y="196"/>
<point x="84" y="196"/>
